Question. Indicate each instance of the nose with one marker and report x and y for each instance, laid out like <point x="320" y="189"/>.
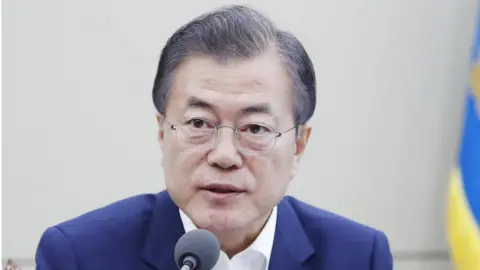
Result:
<point x="225" y="154"/>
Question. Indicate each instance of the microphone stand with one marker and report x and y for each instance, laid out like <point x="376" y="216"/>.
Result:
<point x="189" y="263"/>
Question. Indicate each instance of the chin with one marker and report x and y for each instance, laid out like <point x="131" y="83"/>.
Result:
<point x="221" y="220"/>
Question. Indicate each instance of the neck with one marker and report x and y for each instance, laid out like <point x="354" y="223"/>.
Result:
<point x="235" y="241"/>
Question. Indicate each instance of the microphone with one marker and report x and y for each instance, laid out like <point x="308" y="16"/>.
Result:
<point x="197" y="250"/>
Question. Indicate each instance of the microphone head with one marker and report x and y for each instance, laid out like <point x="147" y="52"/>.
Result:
<point x="200" y="244"/>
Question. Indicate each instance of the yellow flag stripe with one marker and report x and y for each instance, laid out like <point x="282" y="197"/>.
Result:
<point x="462" y="230"/>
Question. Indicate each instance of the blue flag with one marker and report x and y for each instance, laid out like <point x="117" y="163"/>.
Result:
<point x="463" y="206"/>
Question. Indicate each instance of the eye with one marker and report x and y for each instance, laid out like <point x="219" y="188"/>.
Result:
<point x="198" y="123"/>
<point x="255" y="129"/>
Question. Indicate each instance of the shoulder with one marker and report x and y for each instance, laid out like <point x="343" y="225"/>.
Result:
<point x="126" y="211"/>
<point x="118" y="226"/>
<point x="316" y="219"/>
<point x="341" y="235"/>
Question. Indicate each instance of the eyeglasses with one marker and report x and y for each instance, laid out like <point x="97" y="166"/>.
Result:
<point x="197" y="134"/>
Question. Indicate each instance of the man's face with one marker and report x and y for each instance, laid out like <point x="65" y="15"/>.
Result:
<point x="209" y="93"/>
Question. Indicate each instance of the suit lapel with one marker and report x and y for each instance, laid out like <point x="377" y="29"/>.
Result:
<point x="163" y="233"/>
<point x="291" y="247"/>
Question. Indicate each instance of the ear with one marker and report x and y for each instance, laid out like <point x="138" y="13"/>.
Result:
<point x="301" y="144"/>
<point x="302" y="139"/>
<point x="161" y="131"/>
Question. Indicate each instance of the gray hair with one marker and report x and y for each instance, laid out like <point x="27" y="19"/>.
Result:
<point x="237" y="32"/>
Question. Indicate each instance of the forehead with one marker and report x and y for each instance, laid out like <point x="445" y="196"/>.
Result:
<point x="233" y="83"/>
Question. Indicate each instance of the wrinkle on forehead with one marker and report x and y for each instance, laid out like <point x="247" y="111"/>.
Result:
<point x="231" y="85"/>
<point x="234" y="84"/>
<point x="261" y="73"/>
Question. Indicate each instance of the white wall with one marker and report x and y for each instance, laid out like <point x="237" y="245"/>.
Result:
<point x="80" y="132"/>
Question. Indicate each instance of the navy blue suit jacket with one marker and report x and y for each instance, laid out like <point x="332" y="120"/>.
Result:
<point x="140" y="233"/>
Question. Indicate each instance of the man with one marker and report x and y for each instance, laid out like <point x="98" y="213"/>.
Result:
<point x="233" y="95"/>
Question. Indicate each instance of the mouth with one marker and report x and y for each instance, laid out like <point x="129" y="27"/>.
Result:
<point x="223" y="189"/>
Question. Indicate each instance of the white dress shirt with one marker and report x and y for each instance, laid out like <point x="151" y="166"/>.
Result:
<point x="255" y="257"/>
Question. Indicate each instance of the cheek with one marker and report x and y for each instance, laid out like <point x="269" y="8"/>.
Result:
<point x="178" y="164"/>
<point x="271" y="173"/>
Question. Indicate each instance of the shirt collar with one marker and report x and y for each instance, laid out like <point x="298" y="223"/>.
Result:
<point x="264" y="241"/>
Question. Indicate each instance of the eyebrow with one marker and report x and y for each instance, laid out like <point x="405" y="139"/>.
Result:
<point x="260" y="108"/>
<point x="195" y="102"/>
